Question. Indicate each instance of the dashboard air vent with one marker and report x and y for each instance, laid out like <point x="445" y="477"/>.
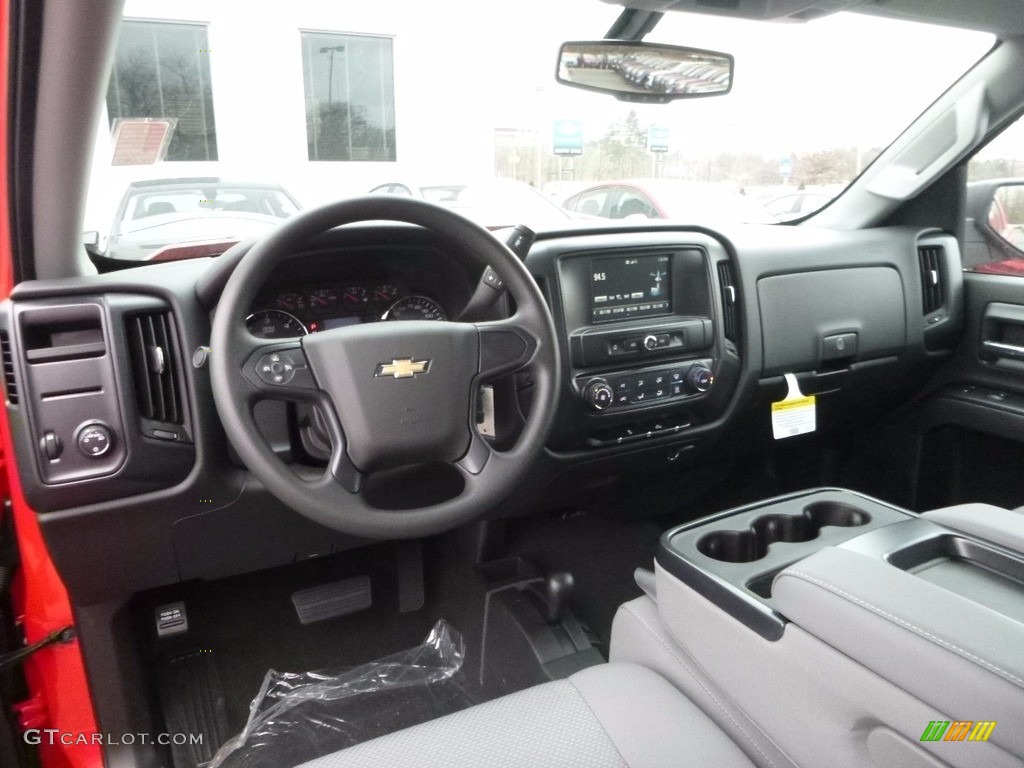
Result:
<point x="730" y="316"/>
<point x="930" y="259"/>
<point x="153" y="346"/>
<point x="10" y="383"/>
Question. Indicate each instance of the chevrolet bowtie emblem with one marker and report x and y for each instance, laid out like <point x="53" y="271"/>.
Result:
<point x="403" y="368"/>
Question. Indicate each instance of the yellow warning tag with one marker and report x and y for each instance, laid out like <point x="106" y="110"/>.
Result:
<point x="795" y="414"/>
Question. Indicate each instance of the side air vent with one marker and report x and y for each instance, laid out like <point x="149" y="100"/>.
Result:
<point x="152" y="343"/>
<point x="10" y="383"/>
<point x="930" y="258"/>
<point x="730" y="315"/>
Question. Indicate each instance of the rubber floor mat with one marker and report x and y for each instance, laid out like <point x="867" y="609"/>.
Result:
<point x="193" y="703"/>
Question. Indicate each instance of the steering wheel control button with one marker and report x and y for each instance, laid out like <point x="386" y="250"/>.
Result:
<point x="94" y="440"/>
<point x="277" y="367"/>
<point x="493" y="279"/>
<point x="598" y="395"/>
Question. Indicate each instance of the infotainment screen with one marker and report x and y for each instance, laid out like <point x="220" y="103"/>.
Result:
<point x="625" y="287"/>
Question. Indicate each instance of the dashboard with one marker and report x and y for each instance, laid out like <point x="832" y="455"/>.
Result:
<point x="673" y="345"/>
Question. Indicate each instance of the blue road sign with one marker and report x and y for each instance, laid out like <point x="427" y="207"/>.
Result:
<point x="657" y="138"/>
<point x="568" y="137"/>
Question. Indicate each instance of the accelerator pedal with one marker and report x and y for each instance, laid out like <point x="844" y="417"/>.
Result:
<point x="329" y="601"/>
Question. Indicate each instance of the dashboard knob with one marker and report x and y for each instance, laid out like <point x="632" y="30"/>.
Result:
<point x="94" y="440"/>
<point x="650" y="342"/>
<point x="699" y="378"/>
<point x="598" y="394"/>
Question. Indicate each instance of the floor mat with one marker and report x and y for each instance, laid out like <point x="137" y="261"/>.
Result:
<point x="302" y="716"/>
<point x="250" y="625"/>
<point x="193" y="702"/>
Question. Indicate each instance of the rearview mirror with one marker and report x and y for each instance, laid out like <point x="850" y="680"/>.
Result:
<point x="644" y="72"/>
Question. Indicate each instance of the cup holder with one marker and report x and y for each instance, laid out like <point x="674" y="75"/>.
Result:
<point x="752" y="544"/>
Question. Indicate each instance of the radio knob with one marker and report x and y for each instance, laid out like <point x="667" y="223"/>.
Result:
<point x="699" y="378"/>
<point x="598" y="394"/>
<point x="650" y="342"/>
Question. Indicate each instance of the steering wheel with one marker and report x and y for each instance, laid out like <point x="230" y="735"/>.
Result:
<point x="391" y="393"/>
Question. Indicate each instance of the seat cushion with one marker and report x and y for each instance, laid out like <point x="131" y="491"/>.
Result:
<point x="608" y="716"/>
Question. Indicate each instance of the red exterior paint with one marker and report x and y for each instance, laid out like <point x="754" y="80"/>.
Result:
<point x="56" y="675"/>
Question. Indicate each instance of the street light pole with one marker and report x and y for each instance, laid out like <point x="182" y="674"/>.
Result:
<point x="330" y="72"/>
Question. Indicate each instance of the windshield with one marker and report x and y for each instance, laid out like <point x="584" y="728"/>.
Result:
<point x="322" y="101"/>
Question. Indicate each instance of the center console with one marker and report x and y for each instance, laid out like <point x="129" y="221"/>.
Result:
<point x="874" y="627"/>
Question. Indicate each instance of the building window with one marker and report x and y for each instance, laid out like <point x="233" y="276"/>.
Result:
<point x="350" y="96"/>
<point x="163" y="70"/>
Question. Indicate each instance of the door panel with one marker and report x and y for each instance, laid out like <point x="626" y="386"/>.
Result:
<point x="972" y="426"/>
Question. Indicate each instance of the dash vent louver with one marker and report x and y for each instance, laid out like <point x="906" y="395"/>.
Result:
<point x="730" y="315"/>
<point x="10" y="383"/>
<point x="153" y="346"/>
<point x="930" y="260"/>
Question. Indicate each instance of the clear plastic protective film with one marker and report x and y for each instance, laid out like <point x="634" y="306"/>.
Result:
<point x="300" y="716"/>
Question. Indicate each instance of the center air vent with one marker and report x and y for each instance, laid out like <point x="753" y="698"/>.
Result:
<point x="730" y="316"/>
<point x="152" y="343"/>
<point x="930" y="258"/>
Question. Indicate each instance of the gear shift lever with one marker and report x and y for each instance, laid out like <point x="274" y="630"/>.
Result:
<point x="554" y="594"/>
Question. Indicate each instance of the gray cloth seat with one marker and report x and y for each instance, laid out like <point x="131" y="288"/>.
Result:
<point x="617" y="715"/>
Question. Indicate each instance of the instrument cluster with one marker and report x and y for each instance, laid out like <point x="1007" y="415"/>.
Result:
<point x="299" y="310"/>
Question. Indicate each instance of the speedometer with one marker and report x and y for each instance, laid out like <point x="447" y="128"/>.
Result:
<point x="274" y="324"/>
<point x="415" y="308"/>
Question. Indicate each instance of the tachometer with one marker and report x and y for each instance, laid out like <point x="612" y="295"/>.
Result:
<point x="274" y="324"/>
<point x="415" y="308"/>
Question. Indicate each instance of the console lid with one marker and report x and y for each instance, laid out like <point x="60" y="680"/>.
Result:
<point x="890" y="614"/>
